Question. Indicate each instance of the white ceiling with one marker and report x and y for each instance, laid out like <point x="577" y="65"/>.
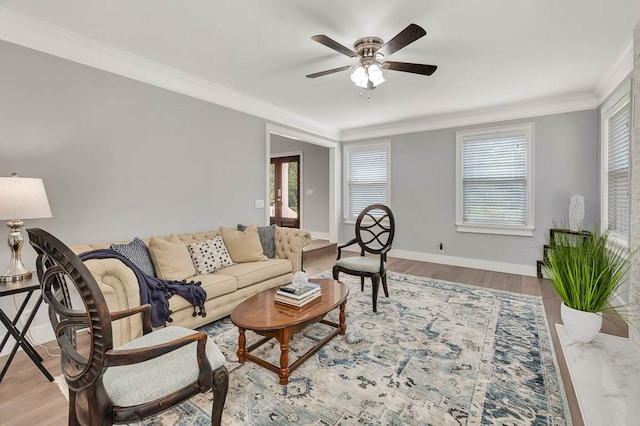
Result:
<point x="489" y="53"/>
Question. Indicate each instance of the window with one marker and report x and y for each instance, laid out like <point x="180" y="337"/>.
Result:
<point x="616" y="142"/>
<point x="494" y="180"/>
<point x="367" y="177"/>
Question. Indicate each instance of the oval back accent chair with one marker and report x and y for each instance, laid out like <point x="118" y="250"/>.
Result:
<point x="141" y="378"/>
<point x="375" y="229"/>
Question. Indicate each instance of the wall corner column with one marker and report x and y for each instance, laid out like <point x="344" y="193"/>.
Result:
<point x="634" y="285"/>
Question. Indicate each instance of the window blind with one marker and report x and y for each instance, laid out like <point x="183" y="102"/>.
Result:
<point x="619" y="137"/>
<point x="494" y="180"/>
<point x="367" y="178"/>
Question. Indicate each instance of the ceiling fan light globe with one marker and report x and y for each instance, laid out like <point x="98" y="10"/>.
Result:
<point x="374" y="72"/>
<point x="358" y="75"/>
<point x="378" y="81"/>
<point x="363" y="83"/>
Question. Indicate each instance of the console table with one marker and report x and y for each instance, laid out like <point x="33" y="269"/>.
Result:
<point x="28" y="286"/>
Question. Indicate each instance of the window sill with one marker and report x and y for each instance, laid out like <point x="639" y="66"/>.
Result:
<point x="619" y="239"/>
<point x="497" y="230"/>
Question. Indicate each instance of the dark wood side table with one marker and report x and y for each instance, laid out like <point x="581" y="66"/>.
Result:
<point x="28" y="286"/>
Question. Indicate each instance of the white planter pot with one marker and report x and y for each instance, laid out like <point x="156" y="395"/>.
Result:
<point x="581" y="326"/>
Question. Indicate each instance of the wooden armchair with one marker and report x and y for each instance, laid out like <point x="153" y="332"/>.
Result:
<point x="375" y="229"/>
<point x="141" y="378"/>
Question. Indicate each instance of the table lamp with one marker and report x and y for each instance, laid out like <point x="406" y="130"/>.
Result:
<point x="20" y="198"/>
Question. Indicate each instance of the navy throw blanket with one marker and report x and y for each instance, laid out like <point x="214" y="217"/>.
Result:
<point x="156" y="291"/>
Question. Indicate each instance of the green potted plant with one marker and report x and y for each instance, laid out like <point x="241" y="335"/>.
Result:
<point x="587" y="270"/>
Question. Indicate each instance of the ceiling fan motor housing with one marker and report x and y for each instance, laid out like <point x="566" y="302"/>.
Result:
<point x="367" y="47"/>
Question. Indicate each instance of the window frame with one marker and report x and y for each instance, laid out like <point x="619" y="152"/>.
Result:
<point x="366" y="146"/>
<point x="620" y="98"/>
<point x="526" y="129"/>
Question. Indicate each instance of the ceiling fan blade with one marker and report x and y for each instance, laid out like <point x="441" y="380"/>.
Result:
<point x="323" y="39"/>
<point x="408" y="67"/>
<point x="405" y="37"/>
<point x="322" y="73"/>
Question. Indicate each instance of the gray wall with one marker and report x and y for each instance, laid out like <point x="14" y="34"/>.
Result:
<point x="315" y="169"/>
<point x="120" y="158"/>
<point x="423" y="188"/>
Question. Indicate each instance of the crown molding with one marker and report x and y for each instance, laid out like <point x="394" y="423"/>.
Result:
<point x="39" y="35"/>
<point x="527" y="109"/>
<point x="616" y="74"/>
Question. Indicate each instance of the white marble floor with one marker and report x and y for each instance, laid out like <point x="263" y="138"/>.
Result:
<point x="606" y="377"/>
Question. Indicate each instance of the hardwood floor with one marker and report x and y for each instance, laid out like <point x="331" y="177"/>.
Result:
<point x="27" y="398"/>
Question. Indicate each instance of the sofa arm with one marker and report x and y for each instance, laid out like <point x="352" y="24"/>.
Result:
<point x="289" y="243"/>
<point x="121" y="291"/>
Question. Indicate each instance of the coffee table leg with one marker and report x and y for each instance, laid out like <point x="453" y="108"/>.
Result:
<point x="343" y="317"/>
<point x="283" y="338"/>
<point x="242" y="342"/>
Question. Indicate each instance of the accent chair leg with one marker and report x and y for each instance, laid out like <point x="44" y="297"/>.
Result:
<point x="361" y="283"/>
<point x="220" y="387"/>
<point x="384" y="285"/>
<point x="375" y="283"/>
<point x="336" y="272"/>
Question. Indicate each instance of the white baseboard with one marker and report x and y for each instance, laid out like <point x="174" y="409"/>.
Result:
<point x="319" y="235"/>
<point x="37" y="334"/>
<point x="488" y="265"/>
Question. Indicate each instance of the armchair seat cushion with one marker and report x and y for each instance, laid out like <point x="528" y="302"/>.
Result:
<point x="360" y="263"/>
<point x="147" y="381"/>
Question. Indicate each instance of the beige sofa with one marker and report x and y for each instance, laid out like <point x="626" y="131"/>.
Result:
<point x="225" y="288"/>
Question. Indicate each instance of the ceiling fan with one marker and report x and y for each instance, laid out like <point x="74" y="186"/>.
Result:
<point x="370" y="52"/>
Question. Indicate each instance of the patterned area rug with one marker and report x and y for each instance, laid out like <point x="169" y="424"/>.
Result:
<point x="435" y="353"/>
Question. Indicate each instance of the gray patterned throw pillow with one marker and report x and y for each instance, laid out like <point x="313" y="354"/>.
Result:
<point x="267" y="236"/>
<point x="209" y="255"/>
<point x="138" y="253"/>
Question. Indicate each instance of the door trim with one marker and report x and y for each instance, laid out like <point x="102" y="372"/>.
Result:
<point x="335" y="167"/>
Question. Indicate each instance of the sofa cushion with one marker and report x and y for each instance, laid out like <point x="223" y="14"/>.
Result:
<point x="215" y="285"/>
<point x="267" y="236"/>
<point x="209" y="255"/>
<point x="254" y="272"/>
<point x="138" y="253"/>
<point x="243" y="246"/>
<point x="171" y="258"/>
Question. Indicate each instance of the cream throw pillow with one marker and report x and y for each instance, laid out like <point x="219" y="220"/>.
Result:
<point x="209" y="255"/>
<point x="243" y="246"/>
<point x="171" y="258"/>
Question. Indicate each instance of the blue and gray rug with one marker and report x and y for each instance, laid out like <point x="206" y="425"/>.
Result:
<point x="436" y="353"/>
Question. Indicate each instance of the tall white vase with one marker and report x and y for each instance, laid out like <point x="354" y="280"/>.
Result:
<point x="581" y="326"/>
<point x="576" y="213"/>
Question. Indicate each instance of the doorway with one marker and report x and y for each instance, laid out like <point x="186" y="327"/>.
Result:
<point x="332" y="204"/>
<point x="284" y="195"/>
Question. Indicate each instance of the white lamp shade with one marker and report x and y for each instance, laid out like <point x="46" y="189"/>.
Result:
<point x="23" y="198"/>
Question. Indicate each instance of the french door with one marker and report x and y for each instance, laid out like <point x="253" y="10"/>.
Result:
<point x="284" y="197"/>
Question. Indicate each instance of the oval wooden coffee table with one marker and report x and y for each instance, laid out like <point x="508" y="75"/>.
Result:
<point x="262" y="315"/>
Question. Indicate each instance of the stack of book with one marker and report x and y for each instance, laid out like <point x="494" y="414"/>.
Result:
<point x="298" y="297"/>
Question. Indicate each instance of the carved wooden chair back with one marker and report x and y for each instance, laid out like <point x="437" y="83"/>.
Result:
<point x="59" y="268"/>
<point x="375" y="229"/>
